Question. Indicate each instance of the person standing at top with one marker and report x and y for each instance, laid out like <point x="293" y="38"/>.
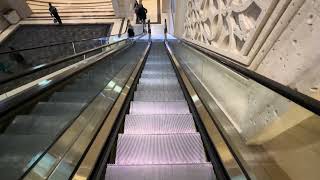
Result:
<point x="54" y="13"/>
<point x="142" y="13"/>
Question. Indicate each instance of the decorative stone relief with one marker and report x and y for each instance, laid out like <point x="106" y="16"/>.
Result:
<point x="228" y="25"/>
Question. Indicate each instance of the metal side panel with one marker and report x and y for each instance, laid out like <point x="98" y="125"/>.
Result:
<point x="144" y="108"/>
<point x="159" y="124"/>
<point x="160" y="149"/>
<point x="203" y="171"/>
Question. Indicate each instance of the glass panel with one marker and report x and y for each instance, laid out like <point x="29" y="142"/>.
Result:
<point x="273" y="137"/>
<point x="26" y="136"/>
<point x="15" y="63"/>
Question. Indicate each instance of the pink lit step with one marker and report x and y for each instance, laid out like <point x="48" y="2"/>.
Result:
<point x="203" y="171"/>
<point x="159" y="124"/>
<point x="160" y="149"/>
<point x="159" y="96"/>
<point x="144" y="108"/>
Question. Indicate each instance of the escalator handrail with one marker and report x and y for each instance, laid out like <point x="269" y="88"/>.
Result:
<point x="56" y="62"/>
<point x="299" y="98"/>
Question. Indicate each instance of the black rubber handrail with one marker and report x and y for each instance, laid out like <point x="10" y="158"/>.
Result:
<point x="303" y="100"/>
<point x="53" y="63"/>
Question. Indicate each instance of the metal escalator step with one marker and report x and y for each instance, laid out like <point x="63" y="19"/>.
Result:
<point x="157" y="62"/>
<point x="201" y="171"/>
<point x="159" y="124"/>
<point x="159" y="69"/>
<point x="50" y="125"/>
<point x="56" y="109"/>
<point x="160" y="149"/>
<point x="18" y="151"/>
<point x="158" y="66"/>
<point x="71" y="97"/>
<point x="156" y="81"/>
<point x="158" y="72"/>
<point x="144" y="108"/>
<point x="144" y="75"/>
<point x="158" y="96"/>
<point x="159" y="84"/>
<point x="159" y="87"/>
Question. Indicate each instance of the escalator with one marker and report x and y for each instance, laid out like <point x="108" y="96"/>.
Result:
<point x="31" y="132"/>
<point x="139" y="112"/>
<point x="160" y="139"/>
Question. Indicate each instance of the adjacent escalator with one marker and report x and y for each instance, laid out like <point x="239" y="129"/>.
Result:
<point x="30" y="133"/>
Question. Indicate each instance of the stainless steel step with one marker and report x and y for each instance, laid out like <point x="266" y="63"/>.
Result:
<point x="158" y="81"/>
<point x="28" y="124"/>
<point x="158" y="72"/>
<point x="160" y="87"/>
<point x="144" y="108"/>
<point x="160" y="149"/>
<point x="159" y="124"/>
<point x="56" y="109"/>
<point x="81" y="97"/>
<point x="159" y="96"/>
<point x="144" y="75"/>
<point x="201" y="171"/>
<point x="159" y="69"/>
<point x="17" y="152"/>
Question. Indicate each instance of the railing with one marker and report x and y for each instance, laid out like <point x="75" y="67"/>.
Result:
<point x="48" y="58"/>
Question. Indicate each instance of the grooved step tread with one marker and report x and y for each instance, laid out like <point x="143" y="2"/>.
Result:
<point x="159" y="124"/>
<point x="158" y="96"/>
<point x="201" y="171"/>
<point x="160" y="149"/>
<point x="144" y="108"/>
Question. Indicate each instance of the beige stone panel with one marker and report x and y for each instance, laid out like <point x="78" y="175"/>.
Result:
<point x="294" y="115"/>
<point x="296" y="151"/>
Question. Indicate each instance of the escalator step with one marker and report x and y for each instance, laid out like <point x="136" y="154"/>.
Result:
<point x="159" y="124"/>
<point x="160" y="149"/>
<point x="158" y="66"/>
<point x="144" y="108"/>
<point x="26" y="124"/>
<point x="71" y="97"/>
<point x="171" y="87"/>
<point x="158" y="72"/>
<point x="56" y="109"/>
<point x="203" y="171"/>
<point x="145" y="75"/>
<point x="158" y="96"/>
<point x="158" y="81"/>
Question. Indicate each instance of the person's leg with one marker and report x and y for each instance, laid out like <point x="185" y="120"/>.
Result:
<point x="58" y="18"/>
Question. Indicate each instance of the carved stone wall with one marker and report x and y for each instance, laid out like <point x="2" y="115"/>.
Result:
<point x="232" y="27"/>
